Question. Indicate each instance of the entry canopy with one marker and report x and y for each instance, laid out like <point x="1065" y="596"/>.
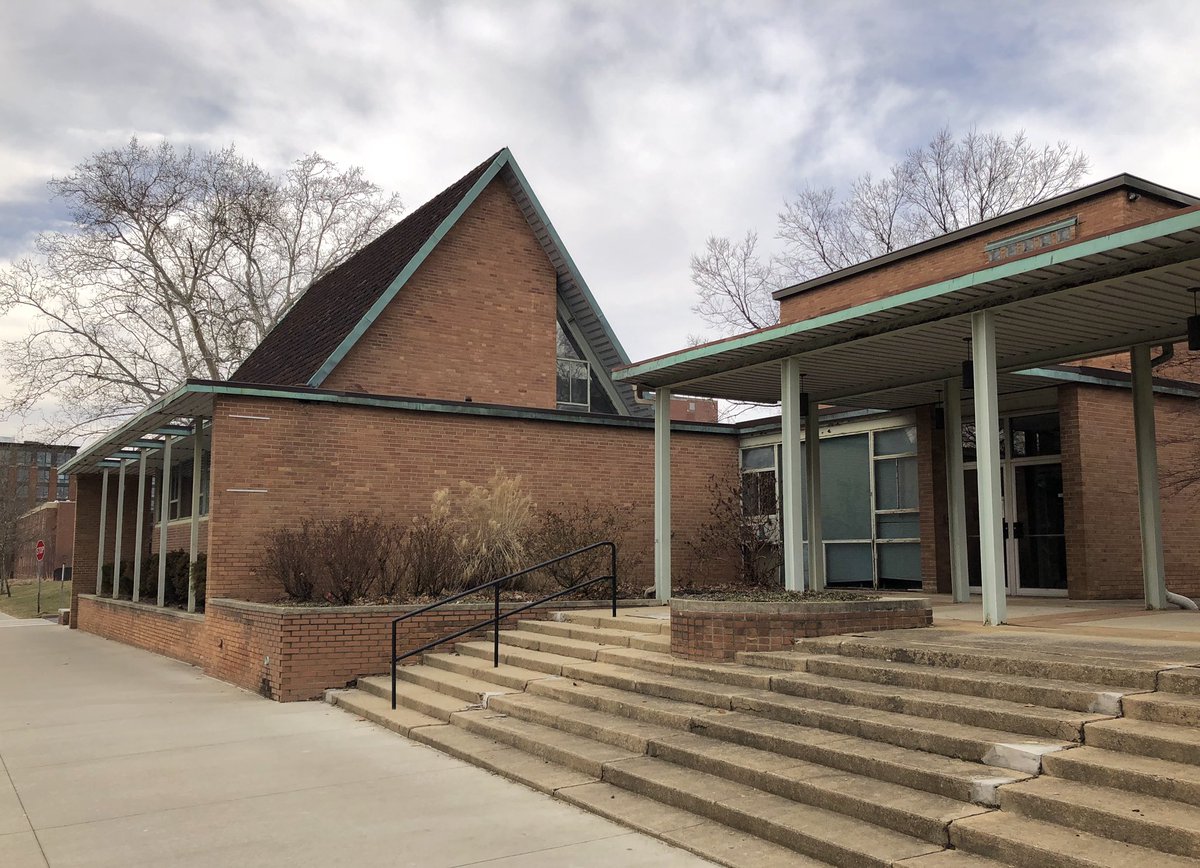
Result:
<point x="1077" y="301"/>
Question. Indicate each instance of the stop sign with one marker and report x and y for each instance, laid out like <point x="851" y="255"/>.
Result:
<point x="41" y="549"/>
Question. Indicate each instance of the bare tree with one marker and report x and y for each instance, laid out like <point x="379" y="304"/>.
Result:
<point x="938" y="188"/>
<point x="178" y="264"/>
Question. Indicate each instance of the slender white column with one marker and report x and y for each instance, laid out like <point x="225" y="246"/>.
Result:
<point x="164" y="510"/>
<point x="662" y="494"/>
<point x="194" y="542"/>
<point x="792" y="528"/>
<point x="138" y="525"/>
<point x="1149" y="504"/>
<point x="120" y="527"/>
<point x="956" y="497"/>
<point x="103" y="527"/>
<point x="812" y="480"/>
<point x="987" y="446"/>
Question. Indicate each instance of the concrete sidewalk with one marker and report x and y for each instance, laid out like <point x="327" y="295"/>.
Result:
<point x="110" y="756"/>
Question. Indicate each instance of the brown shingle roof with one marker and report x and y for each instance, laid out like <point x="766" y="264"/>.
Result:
<point x="327" y="313"/>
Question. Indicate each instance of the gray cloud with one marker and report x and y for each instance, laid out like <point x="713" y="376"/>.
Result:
<point x="643" y="126"/>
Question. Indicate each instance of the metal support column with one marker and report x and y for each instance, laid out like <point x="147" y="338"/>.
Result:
<point x="120" y="527"/>
<point x="103" y="527"/>
<point x="164" y="513"/>
<point x="792" y="528"/>
<point x="1149" y="503"/>
<point x="812" y="481"/>
<point x="662" y="494"/>
<point x="987" y="447"/>
<point x="194" y="540"/>
<point x="956" y="497"/>
<point x="138" y="526"/>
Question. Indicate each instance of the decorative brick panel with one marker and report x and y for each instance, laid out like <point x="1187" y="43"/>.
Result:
<point x="716" y="631"/>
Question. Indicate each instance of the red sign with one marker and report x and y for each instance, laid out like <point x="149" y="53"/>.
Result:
<point x="41" y="550"/>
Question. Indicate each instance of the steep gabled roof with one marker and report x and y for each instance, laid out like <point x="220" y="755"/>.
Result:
<point x="319" y="330"/>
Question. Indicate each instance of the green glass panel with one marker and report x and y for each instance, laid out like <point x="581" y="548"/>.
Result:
<point x="848" y="563"/>
<point x="846" y="488"/>
<point x="903" y="525"/>
<point x="896" y="441"/>
<point x="758" y="458"/>
<point x="896" y="483"/>
<point x="899" y="561"/>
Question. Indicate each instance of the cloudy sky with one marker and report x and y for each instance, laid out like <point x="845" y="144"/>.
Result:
<point x="643" y="126"/>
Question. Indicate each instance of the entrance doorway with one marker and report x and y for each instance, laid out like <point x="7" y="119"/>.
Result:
<point x="1035" y="548"/>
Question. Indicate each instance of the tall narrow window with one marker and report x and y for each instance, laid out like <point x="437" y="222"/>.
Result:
<point x="573" y="375"/>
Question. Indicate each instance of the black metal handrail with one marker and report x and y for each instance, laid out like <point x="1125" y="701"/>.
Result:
<point x="497" y="617"/>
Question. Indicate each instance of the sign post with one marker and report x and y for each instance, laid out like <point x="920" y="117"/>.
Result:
<point x="40" y="549"/>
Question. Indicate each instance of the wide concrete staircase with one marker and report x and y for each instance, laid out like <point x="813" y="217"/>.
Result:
<point x="872" y="750"/>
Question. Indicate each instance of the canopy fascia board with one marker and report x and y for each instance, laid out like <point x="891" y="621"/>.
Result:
<point x="653" y="372"/>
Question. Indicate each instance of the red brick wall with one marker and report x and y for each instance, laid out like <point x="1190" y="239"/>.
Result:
<point x="476" y="321"/>
<point x="1097" y="216"/>
<point x="54" y="524"/>
<point x="1100" y="493"/>
<point x="931" y="483"/>
<point x="179" y="535"/>
<point x="164" y="631"/>
<point x="320" y="460"/>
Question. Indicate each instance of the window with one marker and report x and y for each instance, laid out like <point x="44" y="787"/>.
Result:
<point x="759" y="491"/>
<point x="63" y="488"/>
<point x="897" y="519"/>
<point x="204" y="483"/>
<point x="63" y="457"/>
<point x="574" y="376"/>
<point x="23" y="472"/>
<point x="43" y="458"/>
<point x="43" y="491"/>
<point x="175" y="500"/>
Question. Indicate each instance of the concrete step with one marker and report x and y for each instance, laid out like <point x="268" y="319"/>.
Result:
<point x="534" y="640"/>
<point x="1178" y="709"/>
<point x="379" y="711"/>
<point x="705" y="838"/>
<point x="919" y="814"/>
<point x="1138" y="774"/>
<point x="1028" y="843"/>
<point x="951" y="859"/>
<point x="1006" y="660"/>
<point x="553" y="745"/>
<point x="465" y="687"/>
<point x="1166" y="741"/>
<point x="622" y="732"/>
<point x="572" y="630"/>
<point x="511" y="762"/>
<point x="1020" y="753"/>
<point x="1043" y="692"/>
<point x="632" y="623"/>
<point x="1183" y="680"/>
<point x="413" y="696"/>
<point x="996" y="714"/>
<point x="512" y="655"/>
<point x="993" y="748"/>
<point x="513" y="677"/>
<point x="815" y="832"/>
<point x="952" y="778"/>
<point x="1133" y="818"/>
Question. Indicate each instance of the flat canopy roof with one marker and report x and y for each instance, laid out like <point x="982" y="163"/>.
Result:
<point x="1073" y="302"/>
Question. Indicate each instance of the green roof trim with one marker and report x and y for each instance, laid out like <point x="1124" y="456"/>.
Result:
<point x="1079" y="250"/>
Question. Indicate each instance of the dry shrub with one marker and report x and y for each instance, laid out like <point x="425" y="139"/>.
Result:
<point x="577" y="525"/>
<point x="495" y="522"/>
<point x="288" y="558"/>
<point x="730" y="533"/>
<point x="344" y="560"/>
<point x="430" y="559"/>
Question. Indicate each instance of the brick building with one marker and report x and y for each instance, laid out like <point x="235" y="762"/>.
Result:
<point x="37" y="498"/>
<point x="460" y="341"/>
<point x="883" y="351"/>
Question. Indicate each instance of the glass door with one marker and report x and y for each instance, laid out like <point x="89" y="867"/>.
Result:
<point x="1035" y="551"/>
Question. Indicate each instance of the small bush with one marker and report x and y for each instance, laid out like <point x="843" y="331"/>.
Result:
<point x="288" y="558"/>
<point x="577" y="525"/>
<point x="429" y="554"/>
<point x="729" y="532"/>
<point x="342" y="560"/>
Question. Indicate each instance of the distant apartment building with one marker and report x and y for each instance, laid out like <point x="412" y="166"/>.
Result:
<point x="40" y="501"/>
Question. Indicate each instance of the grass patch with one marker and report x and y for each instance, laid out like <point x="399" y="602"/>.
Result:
<point x="772" y="596"/>
<point x="23" y="602"/>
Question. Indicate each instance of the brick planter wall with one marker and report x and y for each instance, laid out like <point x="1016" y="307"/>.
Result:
<point x="169" y="632"/>
<point x="716" y="630"/>
<point x="285" y="652"/>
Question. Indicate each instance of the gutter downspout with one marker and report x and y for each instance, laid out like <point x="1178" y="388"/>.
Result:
<point x="1167" y="352"/>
